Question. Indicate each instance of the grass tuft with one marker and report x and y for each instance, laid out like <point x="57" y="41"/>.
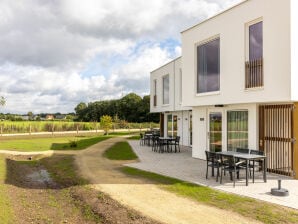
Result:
<point x="120" y="151"/>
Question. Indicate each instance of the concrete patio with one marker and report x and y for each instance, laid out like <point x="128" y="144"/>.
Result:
<point x="183" y="166"/>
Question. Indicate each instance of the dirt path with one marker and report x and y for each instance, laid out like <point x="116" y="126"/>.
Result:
<point x="139" y="194"/>
<point x="142" y="196"/>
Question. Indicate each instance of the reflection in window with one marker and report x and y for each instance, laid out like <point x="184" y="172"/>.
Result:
<point x="208" y="62"/>
<point x="166" y="87"/>
<point x="237" y="129"/>
<point x="172" y="125"/>
<point x="256" y="41"/>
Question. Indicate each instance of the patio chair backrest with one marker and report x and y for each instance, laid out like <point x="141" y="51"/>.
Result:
<point x="227" y="160"/>
<point x="177" y="139"/>
<point x="257" y="152"/>
<point x="242" y="150"/>
<point x="210" y="156"/>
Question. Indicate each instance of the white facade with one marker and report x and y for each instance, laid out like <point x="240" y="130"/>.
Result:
<point x="174" y="106"/>
<point x="279" y="68"/>
<point x="231" y="27"/>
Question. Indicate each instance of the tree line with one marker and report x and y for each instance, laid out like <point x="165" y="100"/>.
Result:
<point x="130" y="108"/>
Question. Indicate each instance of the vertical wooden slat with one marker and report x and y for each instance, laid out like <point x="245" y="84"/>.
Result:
<point x="278" y="123"/>
<point x="254" y="73"/>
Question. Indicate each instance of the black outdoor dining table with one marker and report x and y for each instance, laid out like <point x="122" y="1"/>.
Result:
<point x="248" y="157"/>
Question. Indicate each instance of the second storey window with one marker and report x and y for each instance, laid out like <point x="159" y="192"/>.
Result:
<point x="208" y="67"/>
<point x="256" y="41"/>
<point x="254" y="64"/>
<point x="166" y="88"/>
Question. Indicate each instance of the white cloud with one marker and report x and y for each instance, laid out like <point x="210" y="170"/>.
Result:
<point x="45" y="46"/>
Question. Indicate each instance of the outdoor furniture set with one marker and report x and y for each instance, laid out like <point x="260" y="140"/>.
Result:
<point x="160" y="144"/>
<point x="234" y="161"/>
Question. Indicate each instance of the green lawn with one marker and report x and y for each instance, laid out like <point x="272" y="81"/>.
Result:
<point x="120" y="151"/>
<point x="49" y="143"/>
<point x="6" y="214"/>
<point x="251" y="208"/>
<point x="134" y="137"/>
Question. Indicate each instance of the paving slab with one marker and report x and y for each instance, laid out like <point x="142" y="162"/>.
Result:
<point x="183" y="166"/>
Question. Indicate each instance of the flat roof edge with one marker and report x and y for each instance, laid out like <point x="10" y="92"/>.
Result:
<point x="166" y="64"/>
<point x="216" y="15"/>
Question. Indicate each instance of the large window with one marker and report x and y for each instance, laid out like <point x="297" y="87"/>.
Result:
<point x="256" y="41"/>
<point x="166" y="87"/>
<point x="208" y="71"/>
<point x="237" y="129"/>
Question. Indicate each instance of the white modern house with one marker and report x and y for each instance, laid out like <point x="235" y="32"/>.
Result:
<point x="240" y="78"/>
<point x="166" y="99"/>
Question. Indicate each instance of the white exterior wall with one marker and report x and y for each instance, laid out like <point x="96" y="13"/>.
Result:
<point x="175" y="106"/>
<point x="231" y="26"/>
<point x="173" y="70"/>
<point x="201" y="127"/>
<point x="294" y="49"/>
<point x="158" y="74"/>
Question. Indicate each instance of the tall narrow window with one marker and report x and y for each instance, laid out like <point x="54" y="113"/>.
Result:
<point x="237" y="130"/>
<point x="166" y="87"/>
<point x="254" y="65"/>
<point x="208" y="71"/>
<point x="256" y="41"/>
<point x="155" y="96"/>
<point x="180" y="85"/>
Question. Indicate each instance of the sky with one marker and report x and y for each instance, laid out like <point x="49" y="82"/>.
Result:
<point x="55" y="54"/>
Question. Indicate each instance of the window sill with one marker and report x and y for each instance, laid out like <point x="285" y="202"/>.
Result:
<point x="165" y="105"/>
<point x="254" y="89"/>
<point x="208" y="93"/>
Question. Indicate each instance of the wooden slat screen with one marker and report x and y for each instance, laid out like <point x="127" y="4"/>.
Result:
<point x="254" y="74"/>
<point x="276" y="137"/>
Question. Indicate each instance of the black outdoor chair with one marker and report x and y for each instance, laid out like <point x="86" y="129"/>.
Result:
<point x="176" y="143"/>
<point x="213" y="161"/>
<point x="230" y="164"/>
<point x="256" y="163"/>
<point x="155" y="143"/>
<point x="242" y="150"/>
<point x="163" y="145"/>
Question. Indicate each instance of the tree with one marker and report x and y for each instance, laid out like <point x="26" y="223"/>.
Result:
<point x="81" y="111"/>
<point x="106" y="123"/>
<point x="30" y="115"/>
<point x="129" y="106"/>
